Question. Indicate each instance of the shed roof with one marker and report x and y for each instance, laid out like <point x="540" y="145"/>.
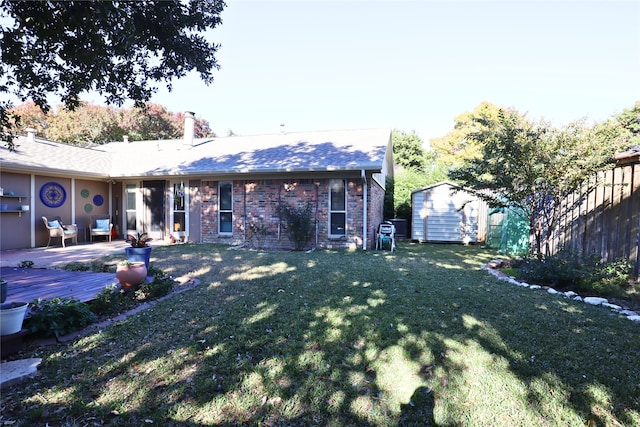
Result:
<point x="438" y="184"/>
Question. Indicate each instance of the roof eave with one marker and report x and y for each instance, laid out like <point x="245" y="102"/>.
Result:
<point x="250" y="171"/>
<point x="13" y="167"/>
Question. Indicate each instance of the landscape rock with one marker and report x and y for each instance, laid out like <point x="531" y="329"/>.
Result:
<point x="634" y="318"/>
<point x="595" y="300"/>
<point x="611" y="306"/>
<point x="496" y="263"/>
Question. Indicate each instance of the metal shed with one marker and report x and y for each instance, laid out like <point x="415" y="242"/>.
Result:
<point x="442" y="214"/>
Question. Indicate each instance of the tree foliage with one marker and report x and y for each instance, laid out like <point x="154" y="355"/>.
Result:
<point x="414" y="168"/>
<point x="629" y="121"/>
<point x="461" y="144"/>
<point x="120" y="49"/>
<point x="407" y="150"/>
<point x="407" y="180"/>
<point x="534" y="167"/>
<point x="96" y="124"/>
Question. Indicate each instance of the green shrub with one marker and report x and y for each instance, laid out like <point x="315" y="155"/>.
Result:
<point x="95" y="266"/>
<point x="298" y="223"/>
<point x="610" y="278"/>
<point x="101" y="267"/>
<point x="566" y="269"/>
<point x="112" y="300"/>
<point x="160" y="286"/>
<point x="76" y="266"/>
<point x="584" y="273"/>
<point x="58" y="316"/>
<point x="258" y="232"/>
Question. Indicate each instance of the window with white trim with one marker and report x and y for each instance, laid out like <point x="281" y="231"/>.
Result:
<point x="225" y="207"/>
<point x="337" y="208"/>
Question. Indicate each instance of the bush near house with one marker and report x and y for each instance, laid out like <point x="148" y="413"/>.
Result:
<point x="298" y="223"/>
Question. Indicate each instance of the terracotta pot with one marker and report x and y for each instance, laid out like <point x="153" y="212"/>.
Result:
<point x="131" y="275"/>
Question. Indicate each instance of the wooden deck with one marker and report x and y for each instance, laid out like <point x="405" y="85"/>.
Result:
<point x="28" y="284"/>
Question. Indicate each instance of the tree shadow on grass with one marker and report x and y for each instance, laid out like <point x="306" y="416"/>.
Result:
<point x="335" y="338"/>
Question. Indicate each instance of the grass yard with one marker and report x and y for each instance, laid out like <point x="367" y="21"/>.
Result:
<point x="337" y="338"/>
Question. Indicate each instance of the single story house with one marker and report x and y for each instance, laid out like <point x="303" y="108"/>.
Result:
<point x="212" y="190"/>
<point x="445" y="212"/>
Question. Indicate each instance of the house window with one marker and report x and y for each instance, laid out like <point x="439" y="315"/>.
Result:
<point x="337" y="208"/>
<point x="225" y="206"/>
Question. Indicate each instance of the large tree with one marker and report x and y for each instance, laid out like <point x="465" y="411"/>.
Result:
<point x="534" y="167"/>
<point x="629" y="121"/>
<point x="120" y="49"/>
<point x="97" y="124"/>
<point x="460" y="144"/>
<point x="408" y="151"/>
<point x="414" y="167"/>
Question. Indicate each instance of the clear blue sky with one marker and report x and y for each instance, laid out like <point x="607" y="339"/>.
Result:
<point x="414" y="65"/>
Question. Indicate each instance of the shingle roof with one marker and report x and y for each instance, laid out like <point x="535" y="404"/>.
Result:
<point x="42" y="155"/>
<point x="309" y="151"/>
<point x="290" y="152"/>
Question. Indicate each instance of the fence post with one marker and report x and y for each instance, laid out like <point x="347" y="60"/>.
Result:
<point x="636" y="267"/>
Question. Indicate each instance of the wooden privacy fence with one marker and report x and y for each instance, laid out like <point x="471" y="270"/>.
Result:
<point x="605" y="219"/>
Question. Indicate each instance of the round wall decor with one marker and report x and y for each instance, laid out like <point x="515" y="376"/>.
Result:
<point x="98" y="200"/>
<point x="53" y="195"/>
<point x="88" y="207"/>
<point x="84" y="193"/>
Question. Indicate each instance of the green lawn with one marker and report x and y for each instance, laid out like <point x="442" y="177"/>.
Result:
<point x="418" y="337"/>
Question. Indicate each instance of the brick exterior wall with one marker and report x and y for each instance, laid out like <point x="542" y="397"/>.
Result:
<point x="256" y="221"/>
<point x="376" y="208"/>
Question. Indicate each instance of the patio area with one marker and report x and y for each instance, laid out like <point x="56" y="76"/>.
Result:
<point x="46" y="281"/>
<point x="28" y="284"/>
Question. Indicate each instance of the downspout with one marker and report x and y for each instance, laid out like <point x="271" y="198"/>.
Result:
<point x="316" y="221"/>
<point x="364" y="209"/>
<point x="244" y="214"/>
<point x="278" y="209"/>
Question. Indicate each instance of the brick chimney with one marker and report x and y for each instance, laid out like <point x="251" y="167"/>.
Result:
<point x="189" y="125"/>
<point x="31" y="134"/>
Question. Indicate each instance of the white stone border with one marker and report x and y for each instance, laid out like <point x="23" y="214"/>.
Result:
<point x="493" y="267"/>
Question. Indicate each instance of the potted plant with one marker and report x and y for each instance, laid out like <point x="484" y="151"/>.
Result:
<point x="131" y="274"/>
<point x="140" y="251"/>
<point x="11" y="317"/>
